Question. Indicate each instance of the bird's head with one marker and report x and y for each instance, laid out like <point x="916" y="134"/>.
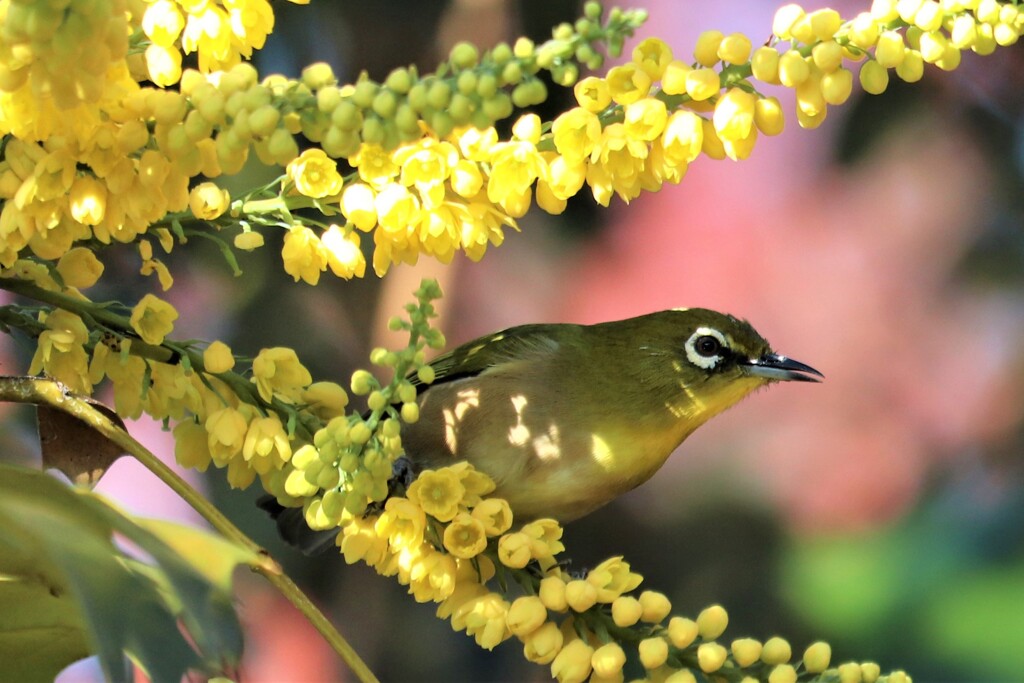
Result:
<point x="714" y="360"/>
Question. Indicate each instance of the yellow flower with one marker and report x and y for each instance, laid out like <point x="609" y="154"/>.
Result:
<point x="514" y="167"/>
<point x="278" y="372"/>
<point x="60" y="351"/>
<point x="374" y="164"/>
<point x="162" y="22"/>
<point x="683" y="137"/>
<point x="344" y="256"/>
<point x="251" y="22"/>
<point x="432" y="577"/>
<point x="734" y="49"/>
<point x="656" y="606"/>
<point x="580" y="595"/>
<point x="226" y="430"/>
<point x="514" y="550"/>
<point x="438" y="492"/>
<point x="653" y="652"/>
<point x="768" y="115"/>
<point x="151" y="266"/>
<point x="682" y="632"/>
<point x="484" y="619"/>
<point x="191" y="449"/>
<point x="217" y="357"/>
<point x="626" y="611"/>
<point x="734" y="115"/>
<point x="476" y="482"/>
<point x="266" y="445"/>
<point x="163" y="64"/>
<point x="326" y="400"/>
<point x="79" y="268"/>
<point x="745" y="651"/>
<point x="87" y="200"/>
<point x="612" y="578"/>
<point x="304" y="255"/>
<point x="652" y="55"/>
<point x="475" y="144"/>
<point x="526" y="615"/>
<point x="397" y="209"/>
<point x="466" y="178"/>
<point x="315" y="174"/>
<point x="495" y="514"/>
<point x="608" y="660"/>
<point x="465" y="536"/>
<point x="776" y="650"/>
<point x="544" y="644"/>
<point x="576" y="133"/>
<point x="712" y="622"/>
<point x="426" y="165"/>
<point x="702" y="84"/>
<point x="208" y="31"/>
<point x="628" y="83"/>
<point x="645" y="119"/>
<point x="207" y="201"/>
<point x="564" y="178"/>
<point x="240" y="475"/>
<point x="358" y="207"/>
<point x="616" y="164"/>
<point x="402" y="523"/>
<point x="170" y="393"/>
<point x="527" y="128"/>
<point x="546" y="535"/>
<point x="360" y="541"/>
<point x="572" y="664"/>
<point x="552" y="593"/>
<point x="592" y="94"/>
<point x="817" y="657"/>
<point x="153" y="319"/>
<point x="248" y="240"/>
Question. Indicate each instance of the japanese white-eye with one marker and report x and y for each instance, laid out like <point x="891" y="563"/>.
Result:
<point x="566" y="418"/>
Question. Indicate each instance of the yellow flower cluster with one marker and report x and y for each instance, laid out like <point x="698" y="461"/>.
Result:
<point x="221" y="32"/>
<point x="638" y="127"/>
<point x="397" y="543"/>
<point x="446" y="540"/>
<point x="894" y="35"/>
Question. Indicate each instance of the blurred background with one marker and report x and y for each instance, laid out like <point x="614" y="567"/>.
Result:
<point x="882" y="511"/>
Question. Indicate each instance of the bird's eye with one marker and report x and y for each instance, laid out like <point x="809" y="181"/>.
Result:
<point x="707" y="346"/>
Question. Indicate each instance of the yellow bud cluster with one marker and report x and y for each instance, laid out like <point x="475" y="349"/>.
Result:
<point x="60" y="52"/>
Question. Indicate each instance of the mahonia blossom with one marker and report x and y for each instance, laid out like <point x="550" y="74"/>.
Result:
<point x="104" y="132"/>
<point x="430" y="174"/>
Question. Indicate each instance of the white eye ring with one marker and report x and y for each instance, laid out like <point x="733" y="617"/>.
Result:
<point x="701" y="361"/>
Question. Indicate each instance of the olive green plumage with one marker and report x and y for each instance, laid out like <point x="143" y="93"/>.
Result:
<point x="567" y="417"/>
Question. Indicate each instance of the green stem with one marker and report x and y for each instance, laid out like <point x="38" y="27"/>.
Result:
<point x="51" y="393"/>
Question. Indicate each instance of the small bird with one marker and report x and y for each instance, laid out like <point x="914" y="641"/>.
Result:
<point x="566" y="418"/>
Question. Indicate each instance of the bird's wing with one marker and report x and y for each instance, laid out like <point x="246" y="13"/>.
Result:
<point x="514" y="344"/>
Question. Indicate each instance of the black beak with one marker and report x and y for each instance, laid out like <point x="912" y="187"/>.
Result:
<point x="772" y="366"/>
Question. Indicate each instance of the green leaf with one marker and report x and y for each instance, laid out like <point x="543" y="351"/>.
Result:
<point x="68" y="590"/>
<point x="212" y="556"/>
<point x="41" y="630"/>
